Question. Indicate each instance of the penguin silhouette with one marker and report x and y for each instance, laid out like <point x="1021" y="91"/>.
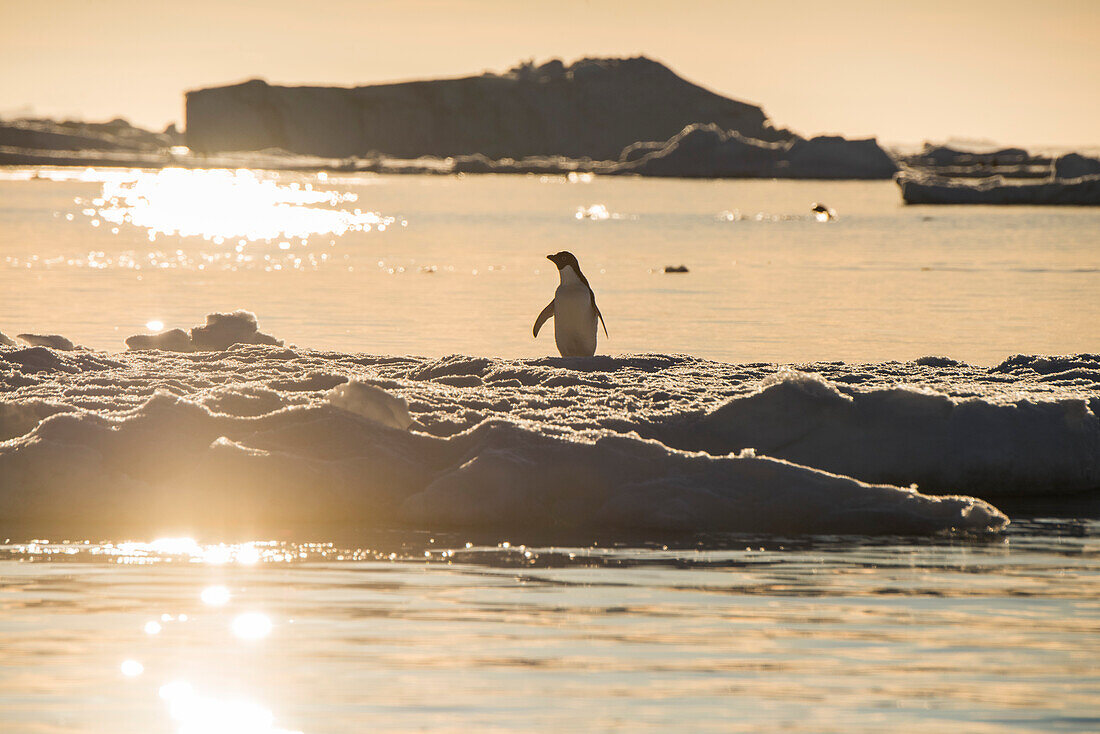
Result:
<point x="573" y="309"/>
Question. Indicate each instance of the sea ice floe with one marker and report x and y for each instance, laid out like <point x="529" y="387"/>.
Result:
<point x="258" y="436"/>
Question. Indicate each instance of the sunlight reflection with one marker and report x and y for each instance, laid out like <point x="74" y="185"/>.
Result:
<point x="600" y="213"/>
<point x="215" y="596"/>
<point x="175" y="546"/>
<point x="252" y="625"/>
<point x="191" y="550"/>
<point x="187" y="550"/>
<point x="131" y="668"/>
<point x="153" y="628"/>
<point x="197" y="714"/>
<point x="248" y="554"/>
<point x="252" y="220"/>
<point x="220" y="204"/>
<point x="596" y="211"/>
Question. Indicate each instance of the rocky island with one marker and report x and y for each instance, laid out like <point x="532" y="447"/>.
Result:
<point x="605" y="116"/>
<point x="592" y="108"/>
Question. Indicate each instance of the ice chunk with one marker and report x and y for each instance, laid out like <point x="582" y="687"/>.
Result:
<point x="222" y="330"/>
<point x="225" y="329"/>
<point x="173" y="340"/>
<point x="52" y="341"/>
<point x="372" y="403"/>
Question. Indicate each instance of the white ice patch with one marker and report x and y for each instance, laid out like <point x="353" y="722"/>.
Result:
<point x="373" y="403"/>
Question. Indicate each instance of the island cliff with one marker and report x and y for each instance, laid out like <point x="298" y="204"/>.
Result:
<point x="591" y="109"/>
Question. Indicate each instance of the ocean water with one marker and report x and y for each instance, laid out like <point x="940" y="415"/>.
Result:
<point x="456" y="265"/>
<point x="340" y="536"/>
<point x="422" y="633"/>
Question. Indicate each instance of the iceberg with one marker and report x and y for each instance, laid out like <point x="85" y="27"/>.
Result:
<point x="708" y="151"/>
<point x="918" y="188"/>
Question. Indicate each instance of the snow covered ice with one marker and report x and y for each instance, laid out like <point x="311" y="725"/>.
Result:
<point x="256" y="436"/>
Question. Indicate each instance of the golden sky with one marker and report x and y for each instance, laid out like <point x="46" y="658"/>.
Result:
<point x="1015" y="72"/>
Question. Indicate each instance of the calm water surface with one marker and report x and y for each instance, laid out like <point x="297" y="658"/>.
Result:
<point x="441" y="265"/>
<point x="466" y="634"/>
<point x="723" y="634"/>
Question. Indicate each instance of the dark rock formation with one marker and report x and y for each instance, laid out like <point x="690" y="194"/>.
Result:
<point x="943" y="155"/>
<point x="1074" y="165"/>
<point x="116" y="135"/>
<point x="918" y="189"/>
<point x="945" y="161"/>
<point x="707" y="151"/>
<point x="593" y="108"/>
<point x="829" y="156"/>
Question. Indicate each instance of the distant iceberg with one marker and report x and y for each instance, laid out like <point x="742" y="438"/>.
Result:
<point x="260" y="436"/>
<point x="708" y="151"/>
<point x="917" y="188"/>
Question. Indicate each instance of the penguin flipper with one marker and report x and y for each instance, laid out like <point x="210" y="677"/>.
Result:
<point x="544" y="316"/>
<point x="600" y="316"/>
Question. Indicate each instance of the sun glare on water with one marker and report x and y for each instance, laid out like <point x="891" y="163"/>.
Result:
<point x="190" y="550"/>
<point x="203" y="219"/>
<point x="222" y="205"/>
<point x="252" y="625"/>
<point x="215" y="596"/>
<point x="199" y="714"/>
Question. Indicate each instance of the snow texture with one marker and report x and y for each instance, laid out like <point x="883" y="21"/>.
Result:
<point x="260" y="436"/>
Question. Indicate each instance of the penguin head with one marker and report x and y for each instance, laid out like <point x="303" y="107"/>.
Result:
<point x="563" y="258"/>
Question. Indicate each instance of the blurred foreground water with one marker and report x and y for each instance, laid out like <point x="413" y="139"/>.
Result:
<point x="444" y="634"/>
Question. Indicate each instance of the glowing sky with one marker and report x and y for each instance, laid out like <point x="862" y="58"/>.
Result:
<point x="1013" y="71"/>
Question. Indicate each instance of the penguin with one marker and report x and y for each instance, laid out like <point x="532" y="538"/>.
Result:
<point x="822" y="213"/>
<point x="573" y="308"/>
